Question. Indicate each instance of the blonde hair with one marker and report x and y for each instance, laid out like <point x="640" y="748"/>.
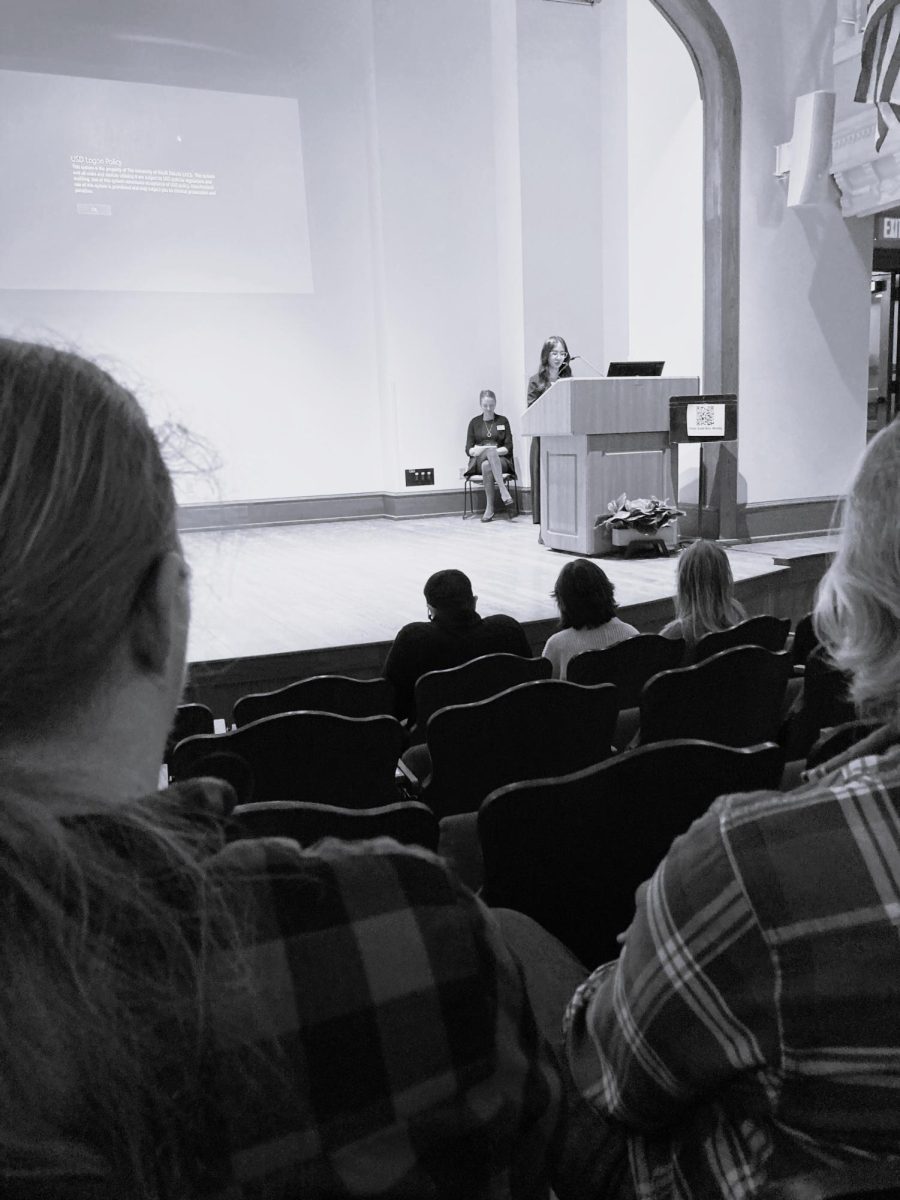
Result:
<point x="111" y="913"/>
<point x="704" y="596"/>
<point x="857" y="613"/>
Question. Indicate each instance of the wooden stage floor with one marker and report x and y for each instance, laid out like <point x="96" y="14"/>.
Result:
<point x="276" y="603"/>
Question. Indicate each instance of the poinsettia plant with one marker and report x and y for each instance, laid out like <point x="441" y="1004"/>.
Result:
<point x="646" y="515"/>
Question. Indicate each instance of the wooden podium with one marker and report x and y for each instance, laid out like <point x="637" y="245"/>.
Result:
<point x="600" y="438"/>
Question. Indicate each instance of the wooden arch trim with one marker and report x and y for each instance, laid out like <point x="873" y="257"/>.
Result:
<point x="707" y="42"/>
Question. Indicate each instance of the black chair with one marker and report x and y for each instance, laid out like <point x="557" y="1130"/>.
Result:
<point x="323" y="757"/>
<point x="824" y="701"/>
<point x="408" y="822"/>
<point x="471" y="482"/>
<point x="734" y="698"/>
<point x="804" y="642"/>
<point x="628" y="664"/>
<point x="475" y="680"/>
<point x="836" y="740"/>
<point x="571" y="851"/>
<point x="769" y="632"/>
<point x="189" y="719"/>
<point x="536" y="729"/>
<point x="322" y="693"/>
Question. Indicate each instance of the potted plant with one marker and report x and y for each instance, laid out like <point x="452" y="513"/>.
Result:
<point x="641" y="520"/>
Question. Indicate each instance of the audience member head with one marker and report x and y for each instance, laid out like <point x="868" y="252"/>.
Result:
<point x="554" y="356"/>
<point x="108" y="908"/>
<point x="704" y="591"/>
<point x="488" y="402"/>
<point x="857" y="614"/>
<point x="449" y="593"/>
<point x="585" y="595"/>
<point x="94" y="580"/>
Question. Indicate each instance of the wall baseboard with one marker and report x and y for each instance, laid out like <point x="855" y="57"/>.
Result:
<point x="777" y="519"/>
<point x="756" y="522"/>
<point x="354" y="506"/>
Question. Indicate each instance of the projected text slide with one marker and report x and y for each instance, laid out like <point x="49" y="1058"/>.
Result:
<point x="115" y="186"/>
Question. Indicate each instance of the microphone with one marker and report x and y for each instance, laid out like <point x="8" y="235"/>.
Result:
<point x="572" y="358"/>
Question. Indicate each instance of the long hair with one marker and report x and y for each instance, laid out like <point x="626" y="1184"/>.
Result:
<point x="110" y="915"/>
<point x="585" y="596"/>
<point x="857" y="612"/>
<point x="565" y="371"/>
<point x="704" y="595"/>
<point x="86" y="509"/>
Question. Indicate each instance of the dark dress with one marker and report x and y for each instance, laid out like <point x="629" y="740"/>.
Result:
<point x="536" y="388"/>
<point x="498" y="434"/>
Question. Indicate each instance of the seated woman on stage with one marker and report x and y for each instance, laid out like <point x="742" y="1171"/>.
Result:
<point x="587" y="615"/>
<point x="489" y="445"/>
<point x="704" y="595"/>
<point x="180" y="1017"/>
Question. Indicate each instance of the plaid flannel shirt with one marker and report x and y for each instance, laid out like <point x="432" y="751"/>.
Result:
<point x="749" y="1030"/>
<point x="406" y="1061"/>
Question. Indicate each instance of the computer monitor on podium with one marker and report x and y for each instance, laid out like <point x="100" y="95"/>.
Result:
<point x="635" y="368"/>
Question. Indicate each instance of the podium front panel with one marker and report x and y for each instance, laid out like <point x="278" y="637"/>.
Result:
<point x="563" y="489"/>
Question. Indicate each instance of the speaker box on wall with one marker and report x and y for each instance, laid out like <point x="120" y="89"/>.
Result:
<point x="810" y="182"/>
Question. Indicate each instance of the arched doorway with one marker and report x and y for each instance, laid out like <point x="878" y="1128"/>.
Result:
<point x="707" y="42"/>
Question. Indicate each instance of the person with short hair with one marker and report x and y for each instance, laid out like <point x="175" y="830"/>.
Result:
<point x="489" y="445"/>
<point x="747" y="1032"/>
<point x="453" y="634"/>
<point x="587" y="615"/>
<point x="704" y="596"/>
<point x="181" y="1018"/>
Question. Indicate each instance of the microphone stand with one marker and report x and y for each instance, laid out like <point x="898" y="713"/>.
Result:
<point x="597" y="370"/>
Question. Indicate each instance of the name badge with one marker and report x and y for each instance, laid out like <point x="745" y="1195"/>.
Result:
<point x="501" y="428"/>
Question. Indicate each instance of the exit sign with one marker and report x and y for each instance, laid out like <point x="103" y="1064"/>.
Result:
<point x="890" y="228"/>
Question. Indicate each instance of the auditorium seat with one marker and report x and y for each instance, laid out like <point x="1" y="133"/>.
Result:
<point x="837" y="739"/>
<point x="408" y="822"/>
<point x="474" y="680"/>
<point x="769" y="632"/>
<point x="547" y="727"/>
<point x="823" y="702"/>
<point x="804" y="641"/>
<point x="735" y="698"/>
<point x="189" y="719"/>
<point x="323" y="693"/>
<point x="571" y="851"/>
<point x="315" y="756"/>
<point x="627" y="664"/>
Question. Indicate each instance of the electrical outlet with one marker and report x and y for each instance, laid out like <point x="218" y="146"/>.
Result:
<point x="420" y="476"/>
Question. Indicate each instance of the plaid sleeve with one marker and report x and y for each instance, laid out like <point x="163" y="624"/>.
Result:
<point x="392" y="1049"/>
<point x="691" y="1002"/>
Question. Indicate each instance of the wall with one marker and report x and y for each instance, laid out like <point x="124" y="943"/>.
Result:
<point x="665" y="195"/>
<point x="466" y="166"/>
<point x="804" y="274"/>
<point x="274" y="383"/>
<point x="563" y="105"/>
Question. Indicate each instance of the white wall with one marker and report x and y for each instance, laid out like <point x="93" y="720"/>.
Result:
<point x="665" y="195"/>
<point x="467" y="170"/>
<point x="562" y="107"/>
<point x="804" y="273"/>
<point x="274" y="383"/>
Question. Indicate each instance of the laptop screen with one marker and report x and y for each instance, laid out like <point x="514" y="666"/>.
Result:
<point x="635" y="368"/>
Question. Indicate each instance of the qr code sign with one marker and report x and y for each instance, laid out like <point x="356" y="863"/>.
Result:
<point x="706" y="420"/>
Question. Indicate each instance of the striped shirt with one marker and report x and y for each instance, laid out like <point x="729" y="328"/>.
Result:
<point x="749" y="1029"/>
